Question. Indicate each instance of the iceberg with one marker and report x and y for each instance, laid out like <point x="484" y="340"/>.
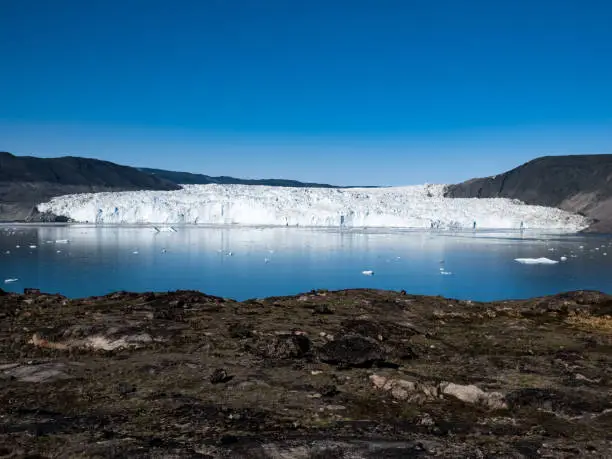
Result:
<point x="536" y="261"/>
<point x="419" y="207"/>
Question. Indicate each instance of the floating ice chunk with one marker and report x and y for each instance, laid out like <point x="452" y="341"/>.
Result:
<point x="33" y="246"/>
<point x="10" y="281"/>
<point x="266" y="260"/>
<point x="367" y="273"/>
<point x="58" y="251"/>
<point x="165" y="229"/>
<point x="563" y="258"/>
<point x="163" y="250"/>
<point x="552" y="249"/>
<point x="17" y="246"/>
<point x="441" y="269"/>
<point x="536" y="261"/>
<point x="596" y="248"/>
<point x="135" y="252"/>
<point x="581" y="247"/>
<point x="605" y="254"/>
<point x="62" y="241"/>
<point x="445" y="273"/>
<point x="230" y="254"/>
<point x="8" y="252"/>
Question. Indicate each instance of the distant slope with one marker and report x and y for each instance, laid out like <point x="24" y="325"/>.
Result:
<point x="580" y="183"/>
<point x="186" y="178"/>
<point x="26" y="181"/>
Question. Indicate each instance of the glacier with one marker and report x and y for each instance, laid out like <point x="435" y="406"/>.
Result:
<point x="418" y="206"/>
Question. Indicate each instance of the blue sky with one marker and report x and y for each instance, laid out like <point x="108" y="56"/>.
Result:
<point x="346" y="91"/>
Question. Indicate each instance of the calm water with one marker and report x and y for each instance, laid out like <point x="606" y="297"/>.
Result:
<point x="246" y="262"/>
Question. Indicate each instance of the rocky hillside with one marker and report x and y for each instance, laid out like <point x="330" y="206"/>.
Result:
<point x="26" y="181"/>
<point x="187" y="178"/>
<point x="358" y="374"/>
<point x="581" y="184"/>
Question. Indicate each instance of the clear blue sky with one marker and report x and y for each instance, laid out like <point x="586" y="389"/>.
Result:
<point x="343" y="91"/>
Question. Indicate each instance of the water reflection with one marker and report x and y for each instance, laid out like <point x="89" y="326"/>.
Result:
<point x="254" y="262"/>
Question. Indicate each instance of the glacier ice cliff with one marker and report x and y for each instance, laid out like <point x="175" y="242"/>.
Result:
<point x="422" y="206"/>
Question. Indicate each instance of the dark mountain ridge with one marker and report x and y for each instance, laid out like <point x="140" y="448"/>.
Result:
<point x="576" y="183"/>
<point x="26" y="181"/>
<point x="187" y="178"/>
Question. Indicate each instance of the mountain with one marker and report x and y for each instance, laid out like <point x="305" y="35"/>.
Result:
<point x="578" y="183"/>
<point x="186" y="178"/>
<point x="26" y="181"/>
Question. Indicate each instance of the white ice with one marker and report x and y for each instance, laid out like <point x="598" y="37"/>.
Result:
<point x="536" y="261"/>
<point x="422" y="206"/>
<point x="367" y="273"/>
<point x="9" y="281"/>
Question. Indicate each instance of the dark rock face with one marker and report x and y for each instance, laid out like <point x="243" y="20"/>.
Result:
<point x="352" y="351"/>
<point x="580" y="184"/>
<point x="27" y="181"/>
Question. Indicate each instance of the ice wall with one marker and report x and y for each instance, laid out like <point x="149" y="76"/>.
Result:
<point x="420" y="206"/>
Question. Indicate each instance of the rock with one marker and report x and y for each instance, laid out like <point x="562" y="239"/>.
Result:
<point x="107" y="340"/>
<point x="31" y="291"/>
<point x="125" y="388"/>
<point x="286" y="347"/>
<point x="322" y="309"/>
<point x="352" y="351"/>
<point x="38" y="373"/>
<point x="329" y="390"/>
<point x="220" y="376"/>
<point x="401" y="389"/>
<point x="473" y="394"/>
<point x="240" y="330"/>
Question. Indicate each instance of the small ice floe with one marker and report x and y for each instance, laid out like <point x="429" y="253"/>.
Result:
<point x="17" y="246"/>
<point x="8" y="252"/>
<point x="581" y="247"/>
<point x="58" y="251"/>
<point x="266" y="260"/>
<point x="441" y="269"/>
<point x="62" y="241"/>
<point x="163" y="250"/>
<point x="10" y="281"/>
<point x="536" y="261"/>
<point x="563" y="258"/>
<point x="445" y="273"/>
<point x="552" y="249"/>
<point x="135" y="252"/>
<point x="164" y="229"/>
<point x="230" y="254"/>
<point x="605" y="254"/>
<point x="596" y="248"/>
<point x="367" y="273"/>
<point x="33" y="246"/>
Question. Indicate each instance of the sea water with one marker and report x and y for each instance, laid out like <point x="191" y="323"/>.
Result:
<point x="241" y="262"/>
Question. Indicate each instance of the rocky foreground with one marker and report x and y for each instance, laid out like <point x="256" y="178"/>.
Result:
<point x="347" y="374"/>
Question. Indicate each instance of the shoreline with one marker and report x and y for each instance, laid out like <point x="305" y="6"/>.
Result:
<point x="361" y="373"/>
